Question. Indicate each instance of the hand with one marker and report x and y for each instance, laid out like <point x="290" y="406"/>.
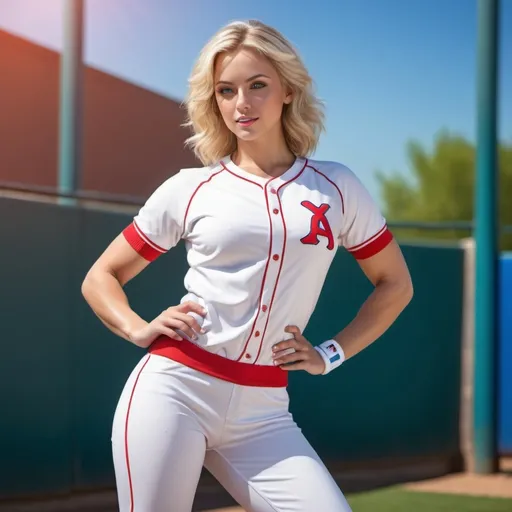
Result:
<point x="297" y="354"/>
<point x="168" y="322"/>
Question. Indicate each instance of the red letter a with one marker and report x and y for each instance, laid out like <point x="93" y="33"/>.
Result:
<point x="319" y="225"/>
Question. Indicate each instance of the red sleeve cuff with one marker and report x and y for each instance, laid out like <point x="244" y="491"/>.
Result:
<point x="373" y="245"/>
<point x="140" y="243"/>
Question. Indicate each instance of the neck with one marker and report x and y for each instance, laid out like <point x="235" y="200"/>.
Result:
<point x="265" y="158"/>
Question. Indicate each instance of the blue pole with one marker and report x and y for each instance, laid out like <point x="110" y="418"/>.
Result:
<point x="486" y="236"/>
<point x="70" y="114"/>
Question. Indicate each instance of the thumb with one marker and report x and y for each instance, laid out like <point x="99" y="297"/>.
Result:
<point x="292" y="329"/>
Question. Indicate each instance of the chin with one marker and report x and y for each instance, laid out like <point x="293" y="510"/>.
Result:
<point x="246" y="136"/>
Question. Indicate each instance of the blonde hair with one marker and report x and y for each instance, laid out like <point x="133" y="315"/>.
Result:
<point x="302" y="119"/>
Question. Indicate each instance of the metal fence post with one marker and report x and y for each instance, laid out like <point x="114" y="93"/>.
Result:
<point x="486" y="235"/>
<point x="70" y="115"/>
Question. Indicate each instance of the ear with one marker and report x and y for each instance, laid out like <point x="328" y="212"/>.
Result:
<point x="289" y="97"/>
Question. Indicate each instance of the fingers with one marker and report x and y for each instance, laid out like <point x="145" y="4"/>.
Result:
<point x="286" y="358"/>
<point x="285" y="352"/>
<point x="287" y="345"/>
<point x="190" y="321"/>
<point x="189" y="306"/>
<point x="298" y="342"/>
<point x="300" y="365"/>
<point x="183" y="322"/>
<point x="166" y="331"/>
<point x="297" y="353"/>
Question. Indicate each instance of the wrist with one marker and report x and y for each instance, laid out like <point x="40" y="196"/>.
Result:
<point x="332" y="354"/>
<point x="132" y="328"/>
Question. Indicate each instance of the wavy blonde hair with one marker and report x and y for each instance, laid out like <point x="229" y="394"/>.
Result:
<point x="302" y="119"/>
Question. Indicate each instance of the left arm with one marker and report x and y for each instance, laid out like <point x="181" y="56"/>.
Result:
<point x="392" y="292"/>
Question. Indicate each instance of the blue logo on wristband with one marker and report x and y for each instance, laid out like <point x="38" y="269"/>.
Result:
<point x="334" y="358"/>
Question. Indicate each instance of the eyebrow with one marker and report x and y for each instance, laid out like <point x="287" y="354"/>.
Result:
<point x="248" y="80"/>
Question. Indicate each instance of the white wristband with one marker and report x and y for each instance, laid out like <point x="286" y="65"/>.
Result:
<point x="332" y="354"/>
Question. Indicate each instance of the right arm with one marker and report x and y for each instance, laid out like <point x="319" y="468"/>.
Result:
<point x="155" y="229"/>
<point x="103" y="290"/>
<point x="103" y="285"/>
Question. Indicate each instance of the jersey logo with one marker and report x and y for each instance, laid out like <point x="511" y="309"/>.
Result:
<point x="319" y="225"/>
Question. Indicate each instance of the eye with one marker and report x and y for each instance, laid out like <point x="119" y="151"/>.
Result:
<point x="225" y="90"/>
<point x="258" y="85"/>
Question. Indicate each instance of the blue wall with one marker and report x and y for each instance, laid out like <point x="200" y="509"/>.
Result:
<point x="505" y="357"/>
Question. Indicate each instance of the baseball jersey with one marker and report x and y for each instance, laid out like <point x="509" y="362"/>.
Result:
<point x="258" y="248"/>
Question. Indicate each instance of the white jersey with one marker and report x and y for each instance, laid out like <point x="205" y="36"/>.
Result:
<point x="258" y="249"/>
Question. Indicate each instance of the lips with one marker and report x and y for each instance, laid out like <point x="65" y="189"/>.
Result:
<point x="246" y="121"/>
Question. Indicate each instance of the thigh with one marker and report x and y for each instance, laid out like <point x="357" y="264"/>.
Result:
<point x="158" y="446"/>
<point x="276" y="473"/>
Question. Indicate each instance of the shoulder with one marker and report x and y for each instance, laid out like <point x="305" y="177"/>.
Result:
<point x="191" y="176"/>
<point x="342" y="177"/>
<point x="185" y="182"/>
<point x="333" y="170"/>
<point x="349" y="185"/>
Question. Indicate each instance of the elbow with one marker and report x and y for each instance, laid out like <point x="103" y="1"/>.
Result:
<point x="95" y="280"/>
<point x="409" y="293"/>
<point x="406" y="291"/>
<point x="401" y="290"/>
<point x="87" y="285"/>
<point x="91" y="282"/>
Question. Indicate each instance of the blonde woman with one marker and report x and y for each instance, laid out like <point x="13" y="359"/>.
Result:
<point x="261" y="222"/>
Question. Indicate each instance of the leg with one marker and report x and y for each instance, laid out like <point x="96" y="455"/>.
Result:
<point x="276" y="472"/>
<point x="156" y="440"/>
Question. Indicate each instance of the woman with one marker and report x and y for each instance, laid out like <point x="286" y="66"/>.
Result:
<point x="261" y="223"/>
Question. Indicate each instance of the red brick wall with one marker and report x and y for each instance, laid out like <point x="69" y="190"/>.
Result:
<point x="132" y="138"/>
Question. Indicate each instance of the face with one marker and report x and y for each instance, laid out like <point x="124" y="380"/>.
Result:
<point x="249" y="94"/>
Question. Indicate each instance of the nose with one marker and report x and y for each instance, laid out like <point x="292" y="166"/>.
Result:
<point x="242" y="103"/>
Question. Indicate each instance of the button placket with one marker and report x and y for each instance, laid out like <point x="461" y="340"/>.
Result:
<point x="276" y="254"/>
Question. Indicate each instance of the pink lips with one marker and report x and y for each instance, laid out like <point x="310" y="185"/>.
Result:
<point x="247" y="121"/>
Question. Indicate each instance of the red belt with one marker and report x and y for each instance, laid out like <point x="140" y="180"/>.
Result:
<point x="244" y="374"/>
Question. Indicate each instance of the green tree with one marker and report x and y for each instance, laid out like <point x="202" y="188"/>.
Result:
<point x="440" y="187"/>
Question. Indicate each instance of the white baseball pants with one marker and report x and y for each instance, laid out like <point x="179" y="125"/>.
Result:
<point x="171" y="420"/>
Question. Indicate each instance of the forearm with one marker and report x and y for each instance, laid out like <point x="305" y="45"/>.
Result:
<point x="377" y="314"/>
<point x="107" y="299"/>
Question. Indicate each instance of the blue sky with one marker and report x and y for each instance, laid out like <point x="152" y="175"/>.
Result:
<point x="388" y="70"/>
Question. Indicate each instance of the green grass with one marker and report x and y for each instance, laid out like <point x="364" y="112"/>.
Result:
<point x="399" y="500"/>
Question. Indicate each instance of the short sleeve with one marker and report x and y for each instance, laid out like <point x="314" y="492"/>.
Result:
<point x="364" y="230"/>
<point x="157" y="227"/>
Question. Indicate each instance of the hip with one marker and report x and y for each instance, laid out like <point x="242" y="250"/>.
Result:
<point x="217" y="366"/>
